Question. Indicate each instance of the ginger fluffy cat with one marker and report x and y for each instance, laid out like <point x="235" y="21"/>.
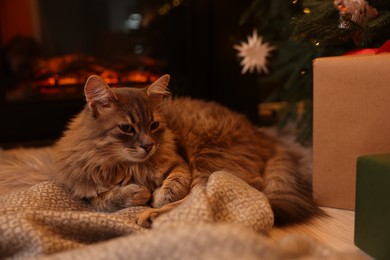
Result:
<point x="132" y="146"/>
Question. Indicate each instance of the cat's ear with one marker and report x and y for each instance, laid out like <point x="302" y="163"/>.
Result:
<point x="98" y="94"/>
<point x="159" y="89"/>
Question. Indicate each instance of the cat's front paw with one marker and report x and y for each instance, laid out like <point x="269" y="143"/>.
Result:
<point x="140" y="195"/>
<point x="131" y="195"/>
<point x="162" y="196"/>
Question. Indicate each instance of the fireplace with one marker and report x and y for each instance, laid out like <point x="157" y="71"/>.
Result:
<point x="49" y="48"/>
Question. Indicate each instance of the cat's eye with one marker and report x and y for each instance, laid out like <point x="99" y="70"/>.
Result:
<point x="154" y="125"/>
<point x="126" y="128"/>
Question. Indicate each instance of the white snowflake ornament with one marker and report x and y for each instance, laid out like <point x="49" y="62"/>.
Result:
<point x="254" y="54"/>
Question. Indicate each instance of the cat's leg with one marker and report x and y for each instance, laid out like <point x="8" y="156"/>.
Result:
<point x="172" y="193"/>
<point x="121" y="197"/>
<point x="175" y="187"/>
<point x="199" y="178"/>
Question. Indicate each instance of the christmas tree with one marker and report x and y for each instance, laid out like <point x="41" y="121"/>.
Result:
<point x="288" y="35"/>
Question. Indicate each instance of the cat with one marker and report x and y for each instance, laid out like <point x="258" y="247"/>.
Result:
<point x="139" y="146"/>
<point x="118" y="152"/>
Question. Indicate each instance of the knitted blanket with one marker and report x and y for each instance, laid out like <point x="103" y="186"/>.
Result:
<point x="227" y="219"/>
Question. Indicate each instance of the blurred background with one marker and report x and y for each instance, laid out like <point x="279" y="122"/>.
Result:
<point x="49" y="48"/>
<point x="254" y="56"/>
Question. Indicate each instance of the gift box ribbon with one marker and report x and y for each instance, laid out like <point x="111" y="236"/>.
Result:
<point x="384" y="48"/>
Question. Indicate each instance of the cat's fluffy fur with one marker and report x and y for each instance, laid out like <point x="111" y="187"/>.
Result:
<point x="133" y="146"/>
<point x="115" y="167"/>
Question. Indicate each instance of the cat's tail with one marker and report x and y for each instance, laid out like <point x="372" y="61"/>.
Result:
<point x="24" y="167"/>
<point x="288" y="186"/>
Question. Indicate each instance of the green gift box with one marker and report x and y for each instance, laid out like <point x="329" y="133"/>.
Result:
<point x="372" y="212"/>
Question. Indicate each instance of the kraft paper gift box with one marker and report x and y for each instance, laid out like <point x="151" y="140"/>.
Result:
<point x="351" y="118"/>
<point x="372" y="217"/>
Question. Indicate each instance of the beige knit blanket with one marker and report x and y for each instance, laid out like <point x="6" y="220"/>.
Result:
<point x="227" y="219"/>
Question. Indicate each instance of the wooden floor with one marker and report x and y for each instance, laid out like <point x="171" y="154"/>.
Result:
<point x="335" y="231"/>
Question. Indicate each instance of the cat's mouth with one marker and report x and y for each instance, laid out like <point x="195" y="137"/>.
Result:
<point x="140" y="155"/>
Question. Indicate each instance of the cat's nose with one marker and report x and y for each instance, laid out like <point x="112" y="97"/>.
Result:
<point x="147" y="147"/>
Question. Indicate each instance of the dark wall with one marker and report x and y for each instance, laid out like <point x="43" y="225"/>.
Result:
<point x="216" y="73"/>
<point x="72" y="26"/>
